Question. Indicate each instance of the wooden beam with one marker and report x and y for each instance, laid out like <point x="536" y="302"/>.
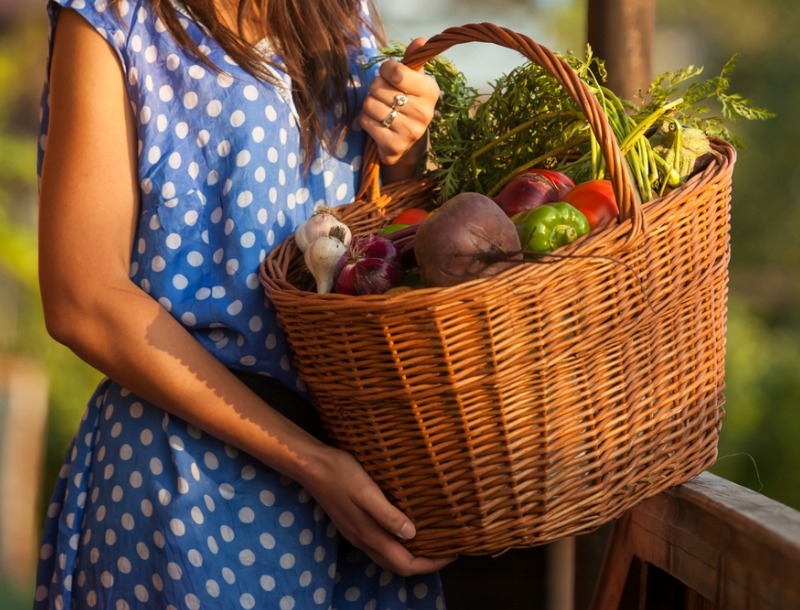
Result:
<point x="620" y="32"/>
<point x="735" y="548"/>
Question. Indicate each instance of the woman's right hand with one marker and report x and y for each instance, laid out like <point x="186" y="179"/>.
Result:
<point x="364" y="516"/>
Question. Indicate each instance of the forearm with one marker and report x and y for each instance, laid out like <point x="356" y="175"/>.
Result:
<point x="130" y="338"/>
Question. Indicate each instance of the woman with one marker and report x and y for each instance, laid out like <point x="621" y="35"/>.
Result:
<point x="180" y="142"/>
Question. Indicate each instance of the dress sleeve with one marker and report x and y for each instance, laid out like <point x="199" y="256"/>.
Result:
<point x="112" y="24"/>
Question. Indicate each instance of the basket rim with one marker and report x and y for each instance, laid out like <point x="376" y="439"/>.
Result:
<point x="602" y="243"/>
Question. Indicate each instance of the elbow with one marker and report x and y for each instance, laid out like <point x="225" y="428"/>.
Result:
<point x="58" y="323"/>
<point x="63" y="316"/>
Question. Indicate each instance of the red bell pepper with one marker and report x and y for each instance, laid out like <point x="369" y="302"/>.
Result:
<point x="596" y="200"/>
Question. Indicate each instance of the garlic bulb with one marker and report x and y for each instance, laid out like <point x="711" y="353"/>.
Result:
<point x="322" y="256"/>
<point x="320" y="223"/>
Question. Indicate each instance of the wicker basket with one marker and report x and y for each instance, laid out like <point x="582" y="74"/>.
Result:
<point x="542" y="402"/>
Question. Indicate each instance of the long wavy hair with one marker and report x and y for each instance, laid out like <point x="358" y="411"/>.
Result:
<point x="314" y="39"/>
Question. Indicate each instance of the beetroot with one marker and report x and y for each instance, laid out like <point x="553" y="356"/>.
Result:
<point x="467" y="237"/>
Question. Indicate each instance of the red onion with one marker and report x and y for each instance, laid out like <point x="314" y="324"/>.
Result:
<point x="370" y="265"/>
<point x="531" y="188"/>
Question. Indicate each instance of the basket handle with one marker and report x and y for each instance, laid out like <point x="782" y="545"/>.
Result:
<point x="567" y="78"/>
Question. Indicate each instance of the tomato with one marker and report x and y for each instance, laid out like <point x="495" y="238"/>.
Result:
<point x="596" y="200"/>
<point x="411" y="216"/>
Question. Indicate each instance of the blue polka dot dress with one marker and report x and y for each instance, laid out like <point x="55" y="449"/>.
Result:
<point x="152" y="513"/>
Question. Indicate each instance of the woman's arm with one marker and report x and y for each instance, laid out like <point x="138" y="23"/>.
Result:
<point x="89" y="205"/>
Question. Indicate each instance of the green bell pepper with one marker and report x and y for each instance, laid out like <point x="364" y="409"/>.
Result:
<point x="549" y="226"/>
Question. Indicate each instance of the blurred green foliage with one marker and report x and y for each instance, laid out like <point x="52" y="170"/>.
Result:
<point x="759" y="446"/>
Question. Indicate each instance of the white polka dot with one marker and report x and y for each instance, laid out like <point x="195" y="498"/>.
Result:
<point x="164" y="497"/>
<point x="107" y="580"/>
<point x="227" y="533"/>
<point x="195" y="558"/>
<point x="287" y="561"/>
<point x="224" y="80"/>
<point x="226" y="491"/>
<point x="174" y="570"/>
<point x="212" y="588"/>
<point x="247" y="557"/>
<point x="151" y="54"/>
<point x="267" y="541"/>
<point x="247" y="515"/>
<point x="177" y="527"/>
<point x="228" y="576"/>
<point x="192" y="601"/>
<point x="286" y="603"/>
<point x="197" y="72"/>
<point x="238" y="118"/>
<point x="267" y="582"/>
<point x="266" y="497"/>
<point x="156" y="467"/>
<point x="141" y="593"/>
<point x="197" y="515"/>
<point x="214" y="108"/>
<point x="420" y="590"/>
<point x="182" y="129"/>
<point x="243" y="158"/>
<point x="165" y="93"/>
<point x="154" y="155"/>
<point x="158" y="540"/>
<point x="244" y="199"/>
<point x="306" y="537"/>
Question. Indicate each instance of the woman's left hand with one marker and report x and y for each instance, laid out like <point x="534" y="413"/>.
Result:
<point x="398" y="110"/>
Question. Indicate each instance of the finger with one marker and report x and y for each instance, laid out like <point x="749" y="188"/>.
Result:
<point x="413" y="46"/>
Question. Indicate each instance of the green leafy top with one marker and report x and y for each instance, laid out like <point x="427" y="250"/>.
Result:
<point x="479" y="141"/>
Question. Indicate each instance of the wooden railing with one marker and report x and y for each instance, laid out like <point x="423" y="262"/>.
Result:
<point x="706" y="545"/>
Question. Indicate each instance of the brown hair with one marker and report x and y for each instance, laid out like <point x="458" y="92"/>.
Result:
<point x="314" y="39"/>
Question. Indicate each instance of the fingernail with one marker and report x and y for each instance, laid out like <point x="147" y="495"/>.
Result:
<point x="407" y="532"/>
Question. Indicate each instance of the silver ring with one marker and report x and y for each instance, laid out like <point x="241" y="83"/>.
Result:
<point x="389" y="118"/>
<point x="400" y="100"/>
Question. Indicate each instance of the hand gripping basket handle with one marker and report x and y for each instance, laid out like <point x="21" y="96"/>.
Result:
<point x="563" y="73"/>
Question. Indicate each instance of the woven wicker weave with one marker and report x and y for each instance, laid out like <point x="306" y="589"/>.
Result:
<point x="547" y="400"/>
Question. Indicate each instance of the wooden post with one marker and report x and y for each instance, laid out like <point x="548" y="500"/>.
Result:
<point x="561" y="574"/>
<point x="620" y="32"/>
<point x="23" y="414"/>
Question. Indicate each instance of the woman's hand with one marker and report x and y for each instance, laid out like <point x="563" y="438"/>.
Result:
<point x="364" y="516"/>
<point x="397" y="113"/>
